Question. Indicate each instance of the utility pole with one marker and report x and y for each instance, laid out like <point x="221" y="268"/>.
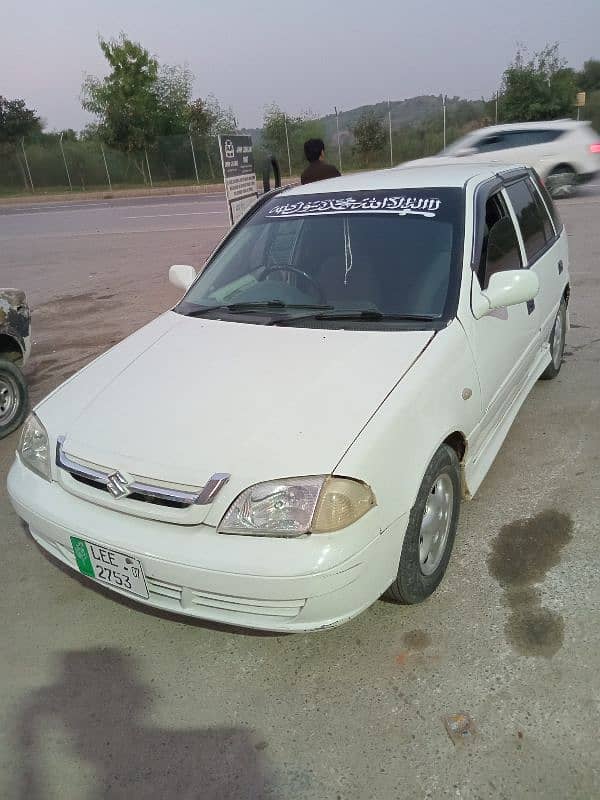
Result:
<point x="496" y="107"/>
<point x="391" y="144"/>
<point x="337" y="124"/>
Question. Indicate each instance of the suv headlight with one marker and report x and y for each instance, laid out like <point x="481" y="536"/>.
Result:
<point x="34" y="449"/>
<point x="294" y="506"/>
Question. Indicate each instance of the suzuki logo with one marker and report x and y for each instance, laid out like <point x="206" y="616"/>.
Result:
<point x="117" y="485"/>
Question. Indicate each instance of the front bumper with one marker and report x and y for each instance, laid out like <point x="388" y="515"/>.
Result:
<point x="347" y="576"/>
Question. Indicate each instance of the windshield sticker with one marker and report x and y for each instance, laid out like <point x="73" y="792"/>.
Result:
<point x="398" y="204"/>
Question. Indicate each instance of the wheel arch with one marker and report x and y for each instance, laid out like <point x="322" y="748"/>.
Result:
<point x="10" y="349"/>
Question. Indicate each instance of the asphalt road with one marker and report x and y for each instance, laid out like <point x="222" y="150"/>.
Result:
<point x="100" y="698"/>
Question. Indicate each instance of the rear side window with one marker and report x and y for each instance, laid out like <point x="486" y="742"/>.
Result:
<point x="533" y="223"/>
<point x="528" y="138"/>
<point x="544" y="216"/>
<point x="506" y="140"/>
<point x="549" y="203"/>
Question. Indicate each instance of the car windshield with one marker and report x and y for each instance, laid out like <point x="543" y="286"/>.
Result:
<point x="370" y="255"/>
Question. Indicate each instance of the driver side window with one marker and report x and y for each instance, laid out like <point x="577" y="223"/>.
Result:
<point x="500" y="249"/>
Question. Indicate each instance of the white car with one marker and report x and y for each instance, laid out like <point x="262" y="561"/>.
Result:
<point x="295" y="437"/>
<point x="563" y="152"/>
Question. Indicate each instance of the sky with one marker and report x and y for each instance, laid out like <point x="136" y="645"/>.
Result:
<point x="302" y="55"/>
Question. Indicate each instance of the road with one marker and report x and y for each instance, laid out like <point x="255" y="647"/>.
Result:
<point x="101" y="698"/>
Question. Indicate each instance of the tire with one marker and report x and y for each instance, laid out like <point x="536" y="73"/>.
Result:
<point x="13" y="397"/>
<point x="421" y="569"/>
<point x="562" y="182"/>
<point x="557" y="343"/>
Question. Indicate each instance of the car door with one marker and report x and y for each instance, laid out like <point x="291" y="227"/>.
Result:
<point x="506" y="341"/>
<point x="544" y="253"/>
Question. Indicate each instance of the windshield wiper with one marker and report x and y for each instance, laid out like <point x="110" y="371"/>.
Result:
<point x="367" y="315"/>
<point x="258" y="305"/>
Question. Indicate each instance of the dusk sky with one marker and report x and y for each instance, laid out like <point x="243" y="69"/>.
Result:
<point x="302" y="55"/>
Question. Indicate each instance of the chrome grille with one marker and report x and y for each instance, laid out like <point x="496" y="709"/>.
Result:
<point x="115" y="483"/>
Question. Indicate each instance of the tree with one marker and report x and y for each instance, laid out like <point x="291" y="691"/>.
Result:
<point x="300" y="127"/>
<point x="369" y="135"/>
<point x="127" y="100"/>
<point x="275" y="122"/>
<point x="17" y="122"/>
<point x="588" y="80"/>
<point x="538" y="88"/>
<point x="173" y="94"/>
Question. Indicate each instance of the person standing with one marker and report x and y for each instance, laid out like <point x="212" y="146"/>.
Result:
<point x="318" y="169"/>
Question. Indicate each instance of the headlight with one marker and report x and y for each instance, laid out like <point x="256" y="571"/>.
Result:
<point x="34" y="447"/>
<point x="294" y="506"/>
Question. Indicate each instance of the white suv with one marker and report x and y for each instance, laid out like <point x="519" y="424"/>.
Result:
<point x="564" y="152"/>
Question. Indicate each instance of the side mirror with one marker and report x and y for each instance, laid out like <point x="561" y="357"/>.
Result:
<point x="508" y="288"/>
<point x="182" y="276"/>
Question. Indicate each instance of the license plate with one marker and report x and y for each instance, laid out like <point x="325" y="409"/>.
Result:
<point x="109" y="566"/>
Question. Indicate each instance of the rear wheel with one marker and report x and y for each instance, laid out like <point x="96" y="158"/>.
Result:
<point x="13" y="397"/>
<point x="557" y="343"/>
<point x="431" y="530"/>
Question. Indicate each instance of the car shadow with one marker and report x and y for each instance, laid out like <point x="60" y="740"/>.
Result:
<point x="100" y="711"/>
<point x="160" y="613"/>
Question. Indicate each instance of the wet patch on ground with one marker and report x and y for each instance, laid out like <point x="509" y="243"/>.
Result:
<point x="522" y="554"/>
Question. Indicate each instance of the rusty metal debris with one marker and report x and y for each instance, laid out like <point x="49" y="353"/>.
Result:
<point x="14" y="316"/>
<point x="460" y="727"/>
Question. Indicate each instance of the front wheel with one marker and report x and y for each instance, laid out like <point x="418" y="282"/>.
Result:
<point x="557" y="343"/>
<point x="431" y="530"/>
<point x="13" y="397"/>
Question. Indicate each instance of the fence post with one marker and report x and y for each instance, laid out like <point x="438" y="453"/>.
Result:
<point x="27" y="163"/>
<point x="62" y="150"/>
<point x="148" y="165"/>
<point x="337" y="125"/>
<point x="106" y="167"/>
<point x="194" y="159"/>
<point x="287" y="141"/>
<point x="391" y="145"/>
<point x="444" y="106"/>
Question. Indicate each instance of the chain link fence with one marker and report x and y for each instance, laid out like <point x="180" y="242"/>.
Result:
<point x="62" y="166"/>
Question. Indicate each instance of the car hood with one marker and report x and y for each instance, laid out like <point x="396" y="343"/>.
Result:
<point x="184" y="398"/>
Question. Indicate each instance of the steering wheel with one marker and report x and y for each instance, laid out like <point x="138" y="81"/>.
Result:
<point x="286" y="268"/>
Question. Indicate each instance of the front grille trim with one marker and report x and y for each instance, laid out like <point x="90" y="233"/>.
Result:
<point x="142" y="490"/>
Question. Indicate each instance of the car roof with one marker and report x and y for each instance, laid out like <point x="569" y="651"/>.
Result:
<point x="555" y="124"/>
<point x="438" y="172"/>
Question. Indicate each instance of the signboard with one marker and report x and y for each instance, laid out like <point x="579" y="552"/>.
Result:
<point x="580" y="101"/>
<point x="237" y="160"/>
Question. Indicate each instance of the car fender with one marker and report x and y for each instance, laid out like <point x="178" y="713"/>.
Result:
<point x="436" y="399"/>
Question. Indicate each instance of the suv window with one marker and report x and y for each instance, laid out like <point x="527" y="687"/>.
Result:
<point x="532" y="217"/>
<point x="509" y="139"/>
<point x="505" y="253"/>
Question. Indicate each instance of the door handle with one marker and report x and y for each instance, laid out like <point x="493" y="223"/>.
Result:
<point x="560" y="267"/>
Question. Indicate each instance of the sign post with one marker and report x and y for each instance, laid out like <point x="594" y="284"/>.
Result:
<point x="580" y="102"/>
<point x="237" y="161"/>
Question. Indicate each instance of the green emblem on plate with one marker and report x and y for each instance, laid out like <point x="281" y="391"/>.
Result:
<point x="82" y="556"/>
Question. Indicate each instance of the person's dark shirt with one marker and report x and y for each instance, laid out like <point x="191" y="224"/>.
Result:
<point x="319" y="171"/>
